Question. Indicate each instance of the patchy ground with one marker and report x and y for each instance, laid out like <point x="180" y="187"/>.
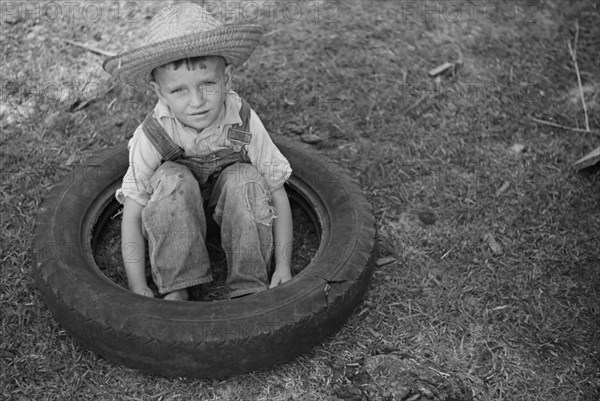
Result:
<point x="491" y="240"/>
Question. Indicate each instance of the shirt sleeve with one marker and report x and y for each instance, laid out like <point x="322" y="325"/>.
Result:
<point x="144" y="159"/>
<point x="265" y="156"/>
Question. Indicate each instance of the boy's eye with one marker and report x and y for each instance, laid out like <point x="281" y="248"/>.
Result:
<point x="178" y="90"/>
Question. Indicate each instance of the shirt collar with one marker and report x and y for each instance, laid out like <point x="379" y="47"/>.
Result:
<point x="230" y="117"/>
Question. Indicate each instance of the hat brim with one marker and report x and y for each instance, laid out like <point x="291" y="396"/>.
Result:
<point x="233" y="42"/>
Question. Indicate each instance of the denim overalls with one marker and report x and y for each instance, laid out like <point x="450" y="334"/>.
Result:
<point x="174" y="219"/>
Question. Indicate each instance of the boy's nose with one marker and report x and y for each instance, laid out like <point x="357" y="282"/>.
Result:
<point x="197" y="98"/>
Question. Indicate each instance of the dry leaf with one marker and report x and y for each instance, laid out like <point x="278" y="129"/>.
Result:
<point x="517" y="148"/>
<point x="493" y="244"/>
<point x="71" y="159"/>
<point x="503" y="188"/>
<point x="385" y="261"/>
<point x="311" y="138"/>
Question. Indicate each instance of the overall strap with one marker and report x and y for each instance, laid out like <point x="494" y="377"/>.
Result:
<point x="160" y="139"/>
<point x="240" y="135"/>
<point x="245" y="116"/>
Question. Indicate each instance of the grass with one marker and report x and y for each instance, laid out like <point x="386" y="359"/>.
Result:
<point x="515" y="323"/>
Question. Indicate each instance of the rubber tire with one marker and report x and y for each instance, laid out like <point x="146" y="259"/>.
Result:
<point x="203" y="339"/>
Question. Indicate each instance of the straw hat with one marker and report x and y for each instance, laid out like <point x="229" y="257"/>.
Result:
<point x="182" y="31"/>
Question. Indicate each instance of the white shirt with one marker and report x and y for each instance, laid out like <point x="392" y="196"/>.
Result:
<point x="144" y="158"/>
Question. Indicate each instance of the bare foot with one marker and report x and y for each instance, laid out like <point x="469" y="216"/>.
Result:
<point x="177" y="295"/>
<point x="145" y="291"/>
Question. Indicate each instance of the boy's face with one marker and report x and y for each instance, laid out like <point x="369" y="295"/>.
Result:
<point x="197" y="96"/>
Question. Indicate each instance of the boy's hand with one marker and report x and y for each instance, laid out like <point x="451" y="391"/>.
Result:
<point x="143" y="290"/>
<point x="280" y="276"/>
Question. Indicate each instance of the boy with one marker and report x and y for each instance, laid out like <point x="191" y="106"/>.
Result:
<point x="202" y="148"/>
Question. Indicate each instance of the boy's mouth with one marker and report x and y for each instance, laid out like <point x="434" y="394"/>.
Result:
<point x="199" y="113"/>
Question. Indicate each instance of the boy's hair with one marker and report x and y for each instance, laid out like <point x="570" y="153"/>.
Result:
<point x="190" y="63"/>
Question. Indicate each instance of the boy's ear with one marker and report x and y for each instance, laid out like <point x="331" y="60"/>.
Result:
<point x="228" y="76"/>
<point x="157" y="90"/>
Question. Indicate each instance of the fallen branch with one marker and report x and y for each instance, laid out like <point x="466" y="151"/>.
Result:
<point x="573" y="53"/>
<point x="550" y="123"/>
<point x="90" y="48"/>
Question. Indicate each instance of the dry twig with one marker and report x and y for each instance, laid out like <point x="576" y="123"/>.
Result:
<point x="550" y="123"/>
<point x="90" y="48"/>
<point x="573" y="53"/>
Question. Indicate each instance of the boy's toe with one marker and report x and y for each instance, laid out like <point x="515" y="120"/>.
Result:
<point x="178" y="295"/>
